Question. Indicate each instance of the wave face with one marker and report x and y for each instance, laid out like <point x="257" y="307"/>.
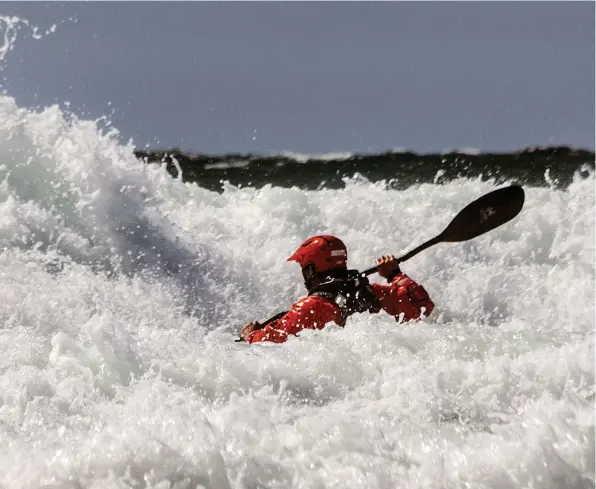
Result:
<point x="123" y="288"/>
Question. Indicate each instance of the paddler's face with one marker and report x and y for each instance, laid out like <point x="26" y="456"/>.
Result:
<point x="310" y="276"/>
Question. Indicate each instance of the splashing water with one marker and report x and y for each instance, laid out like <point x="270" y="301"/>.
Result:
<point x="122" y="290"/>
<point x="11" y="26"/>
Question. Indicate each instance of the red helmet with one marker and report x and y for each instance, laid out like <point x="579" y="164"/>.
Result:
<point x="325" y="252"/>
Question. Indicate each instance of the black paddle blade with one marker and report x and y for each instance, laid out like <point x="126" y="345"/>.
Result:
<point x="488" y="212"/>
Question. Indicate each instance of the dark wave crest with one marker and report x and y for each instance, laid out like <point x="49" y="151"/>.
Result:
<point x="532" y="166"/>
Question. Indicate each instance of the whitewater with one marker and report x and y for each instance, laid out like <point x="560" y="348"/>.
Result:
<point x="122" y="291"/>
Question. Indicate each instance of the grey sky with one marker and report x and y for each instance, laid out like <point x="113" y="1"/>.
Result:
<point x="313" y="77"/>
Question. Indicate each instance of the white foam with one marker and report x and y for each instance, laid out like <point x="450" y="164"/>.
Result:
<point x="228" y="164"/>
<point x="304" y="157"/>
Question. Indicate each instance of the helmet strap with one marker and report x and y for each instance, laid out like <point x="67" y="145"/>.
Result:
<point x="309" y="273"/>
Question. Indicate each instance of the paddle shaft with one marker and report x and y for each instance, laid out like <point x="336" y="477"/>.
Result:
<point x="407" y="256"/>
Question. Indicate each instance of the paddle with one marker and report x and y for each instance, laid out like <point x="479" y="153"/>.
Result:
<point x="484" y="214"/>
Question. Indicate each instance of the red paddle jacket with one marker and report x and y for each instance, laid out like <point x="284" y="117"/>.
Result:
<point x="403" y="298"/>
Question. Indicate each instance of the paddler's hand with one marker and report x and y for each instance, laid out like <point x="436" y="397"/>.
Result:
<point x="387" y="267"/>
<point x="249" y="328"/>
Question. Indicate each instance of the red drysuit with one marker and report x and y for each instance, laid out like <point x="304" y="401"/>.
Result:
<point x="402" y="297"/>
